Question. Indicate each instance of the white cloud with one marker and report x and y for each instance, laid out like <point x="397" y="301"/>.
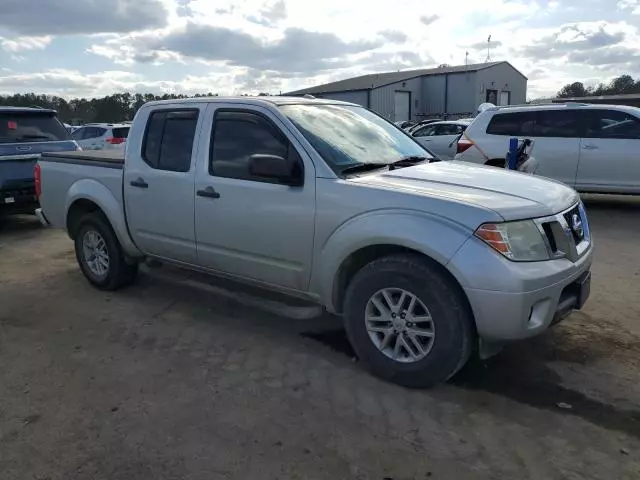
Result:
<point x="273" y="45"/>
<point x="21" y="44"/>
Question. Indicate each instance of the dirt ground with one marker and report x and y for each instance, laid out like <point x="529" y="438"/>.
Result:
<point x="165" y="381"/>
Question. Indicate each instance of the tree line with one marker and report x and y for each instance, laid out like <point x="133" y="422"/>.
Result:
<point x="620" y="85"/>
<point x="112" y="108"/>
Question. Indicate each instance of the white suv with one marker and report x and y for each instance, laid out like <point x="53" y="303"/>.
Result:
<point x="593" y="148"/>
<point x="101" y="136"/>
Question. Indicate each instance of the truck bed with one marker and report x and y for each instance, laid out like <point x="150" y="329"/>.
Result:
<point x="64" y="174"/>
<point x="99" y="158"/>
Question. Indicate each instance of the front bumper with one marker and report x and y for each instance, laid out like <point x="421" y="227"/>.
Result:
<point x="520" y="300"/>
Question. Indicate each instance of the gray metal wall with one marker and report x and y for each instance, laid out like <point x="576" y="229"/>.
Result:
<point x="461" y="94"/>
<point x="433" y="88"/>
<point x="501" y="77"/>
<point x="357" y="96"/>
<point x="383" y="98"/>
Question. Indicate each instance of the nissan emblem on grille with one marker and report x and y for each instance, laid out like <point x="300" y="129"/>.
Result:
<point x="576" y="226"/>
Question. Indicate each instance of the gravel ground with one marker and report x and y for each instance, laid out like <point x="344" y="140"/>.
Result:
<point x="165" y="381"/>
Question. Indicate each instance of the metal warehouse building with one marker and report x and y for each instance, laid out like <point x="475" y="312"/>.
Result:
<point x="445" y="92"/>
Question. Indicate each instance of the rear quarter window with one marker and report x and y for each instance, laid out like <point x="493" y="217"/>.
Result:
<point x="22" y="127"/>
<point x="122" y="132"/>
<point x="540" y="123"/>
<point x="512" y="124"/>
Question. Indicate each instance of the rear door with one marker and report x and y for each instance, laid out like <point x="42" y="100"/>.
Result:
<point x="159" y="183"/>
<point x="610" y="152"/>
<point x="556" y="136"/>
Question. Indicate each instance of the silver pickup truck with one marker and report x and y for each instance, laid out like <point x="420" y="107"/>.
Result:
<point x="427" y="261"/>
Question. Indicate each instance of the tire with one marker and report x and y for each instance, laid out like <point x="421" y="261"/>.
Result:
<point x="119" y="273"/>
<point x="451" y="321"/>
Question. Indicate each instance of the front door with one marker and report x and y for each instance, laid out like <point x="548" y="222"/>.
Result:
<point x="402" y="111"/>
<point x="159" y="183"/>
<point x="248" y="226"/>
<point x="610" y="152"/>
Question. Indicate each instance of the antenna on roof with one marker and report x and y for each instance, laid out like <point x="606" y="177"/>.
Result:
<point x="466" y="58"/>
<point x="488" y="50"/>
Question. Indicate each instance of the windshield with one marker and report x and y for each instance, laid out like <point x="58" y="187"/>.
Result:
<point x="19" y="127"/>
<point x="346" y="136"/>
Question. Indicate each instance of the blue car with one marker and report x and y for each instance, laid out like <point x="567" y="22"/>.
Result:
<point x="25" y="133"/>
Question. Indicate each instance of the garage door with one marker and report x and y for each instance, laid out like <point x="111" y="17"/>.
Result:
<point x="401" y="111"/>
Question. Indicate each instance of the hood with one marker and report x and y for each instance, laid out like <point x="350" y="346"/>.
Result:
<point x="512" y="195"/>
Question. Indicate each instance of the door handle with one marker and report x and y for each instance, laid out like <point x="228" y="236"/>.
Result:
<point x="139" y="182"/>
<point x="590" y="147"/>
<point x="208" y="192"/>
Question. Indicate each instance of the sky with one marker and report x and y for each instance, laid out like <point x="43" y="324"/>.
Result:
<point x="89" y="48"/>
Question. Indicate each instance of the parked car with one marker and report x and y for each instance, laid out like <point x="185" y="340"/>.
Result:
<point x="422" y="123"/>
<point x="441" y="138"/>
<point x="593" y="148"/>
<point x="101" y="136"/>
<point x="24" y="134"/>
<point x="327" y="201"/>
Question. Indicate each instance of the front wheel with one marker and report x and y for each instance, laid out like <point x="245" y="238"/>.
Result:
<point x="407" y="321"/>
<point x="100" y="255"/>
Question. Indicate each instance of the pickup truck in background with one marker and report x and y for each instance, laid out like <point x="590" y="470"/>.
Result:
<point x="427" y="262"/>
<point x="24" y="134"/>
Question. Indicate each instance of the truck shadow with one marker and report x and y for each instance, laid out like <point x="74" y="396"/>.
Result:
<point x="19" y="224"/>
<point x="522" y="373"/>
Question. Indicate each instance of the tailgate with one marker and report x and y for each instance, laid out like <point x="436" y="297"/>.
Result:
<point x="18" y="159"/>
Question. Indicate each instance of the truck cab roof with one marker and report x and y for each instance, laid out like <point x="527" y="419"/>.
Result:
<point x="264" y="101"/>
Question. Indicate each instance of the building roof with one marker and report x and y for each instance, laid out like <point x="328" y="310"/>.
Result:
<point x="375" y="80"/>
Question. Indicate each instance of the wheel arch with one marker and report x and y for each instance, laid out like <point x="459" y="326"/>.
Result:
<point x="381" y="233"/>
<point x="86" y="196"/>
<point x="361" y="257"/>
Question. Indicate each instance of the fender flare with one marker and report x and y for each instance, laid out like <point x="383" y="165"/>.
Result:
<point x="436" y="237"/>
<point x="96" y="192"/>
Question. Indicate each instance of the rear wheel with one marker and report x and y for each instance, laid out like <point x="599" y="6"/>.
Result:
<point x="100" y="255"/>
<point x="407" y="321"/>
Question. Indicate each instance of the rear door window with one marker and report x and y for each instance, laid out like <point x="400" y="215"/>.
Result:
<point x="168" y="141"/>
<point x="427" y="131"/>
<point x="557" y="123"/>
<point x="21" y="127"/>
<point x="448" y="129"/>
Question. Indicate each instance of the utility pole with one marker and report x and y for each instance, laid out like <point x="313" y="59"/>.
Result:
<point x="488" y="50"/>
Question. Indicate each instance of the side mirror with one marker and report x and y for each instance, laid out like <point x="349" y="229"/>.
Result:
<point x="274" y="167"/>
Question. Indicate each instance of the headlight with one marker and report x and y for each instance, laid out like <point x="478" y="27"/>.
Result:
<point x="518" y="241"/>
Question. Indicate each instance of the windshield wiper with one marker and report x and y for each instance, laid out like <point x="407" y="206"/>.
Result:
<point x="363" y="167"/>
<point x="408" y="161"/>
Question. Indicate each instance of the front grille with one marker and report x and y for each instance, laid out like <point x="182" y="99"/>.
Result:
<point x="567" y="233"/>
<point x="575" y="222"/>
